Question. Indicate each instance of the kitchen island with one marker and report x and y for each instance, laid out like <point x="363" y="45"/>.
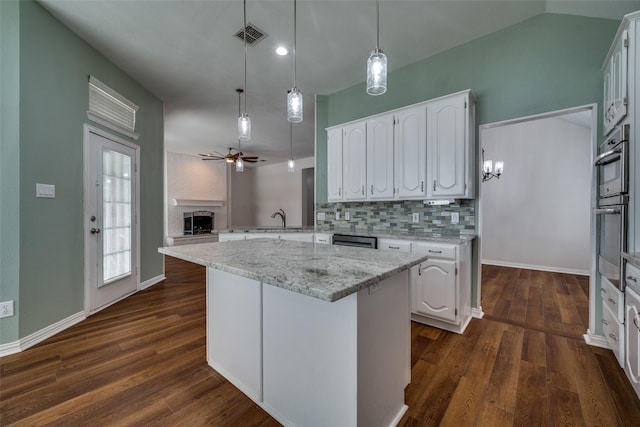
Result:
<point x="316" y="335"/>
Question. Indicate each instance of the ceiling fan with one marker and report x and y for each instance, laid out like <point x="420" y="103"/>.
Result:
<point x="230" y="157"/>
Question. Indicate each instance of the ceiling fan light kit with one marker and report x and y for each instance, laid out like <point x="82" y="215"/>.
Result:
<point x="377" y="64"/>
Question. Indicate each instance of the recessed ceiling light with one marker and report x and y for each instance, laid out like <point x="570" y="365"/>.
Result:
<point x="282" y="51"/>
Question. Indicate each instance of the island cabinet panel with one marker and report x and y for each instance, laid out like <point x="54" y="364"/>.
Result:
<point x="344" y="363"/>
<point x="234" y="339"/>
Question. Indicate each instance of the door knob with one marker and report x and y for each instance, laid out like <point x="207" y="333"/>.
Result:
<point x="95" y="231"/>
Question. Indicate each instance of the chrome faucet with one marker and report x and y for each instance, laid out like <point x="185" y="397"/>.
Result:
<point x="283" y="216"/>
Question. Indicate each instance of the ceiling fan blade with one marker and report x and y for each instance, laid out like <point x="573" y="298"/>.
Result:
<point x="249" y="157"/>
<point x="249" y="161"/>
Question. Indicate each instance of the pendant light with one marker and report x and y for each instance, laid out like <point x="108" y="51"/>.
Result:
<point x="294" y="98"/>
<point x="291" y="164"/>
<point x="244" y="122"/>
<point x="239" y="161"/>
<point x="377" y="64"/>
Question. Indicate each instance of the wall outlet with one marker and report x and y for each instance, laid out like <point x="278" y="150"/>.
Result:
<point x="455" y="217"/>
<point x="337" y="216"/>
<point x="321" y="216"/>
<point x="347" y="216"/>
<point x="6" y="309"/>
<point x="415" y="217"/>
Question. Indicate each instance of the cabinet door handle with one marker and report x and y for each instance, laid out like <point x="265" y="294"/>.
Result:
<point x="421" y="185"/>
<point x="603" y="290"/>
<point x="434" y="252"/>
<point x="612" y="301"/>
<point x="604" y="322"/>
<point x="394" y="247"/>
<point x="434" y="185"/>
<point x="613" y="337"/>
<point x="633" y="279"/>
<point x="372" y="189"/>
<point x="340" y="191"/>
<point x="363" y="190"/>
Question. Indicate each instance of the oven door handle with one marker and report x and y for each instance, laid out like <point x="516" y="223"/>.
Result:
<point x="607" y="211"/>
<point x="603" y="159"/>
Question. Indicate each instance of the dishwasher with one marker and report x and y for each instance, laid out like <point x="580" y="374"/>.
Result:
<point x="355" y="240"/>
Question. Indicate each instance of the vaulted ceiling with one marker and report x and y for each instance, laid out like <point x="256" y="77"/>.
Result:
<point x="185" y="52"/>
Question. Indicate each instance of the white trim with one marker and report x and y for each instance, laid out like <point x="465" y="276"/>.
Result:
<point x="596" y="340"/>
<point x="97" y="118"/>
<point x="41" y="335"/>
<point x="477" y="312"/>
<point x="536" y="267"/>
<point x="148" y="283"/>
<point x="547" y="115"/>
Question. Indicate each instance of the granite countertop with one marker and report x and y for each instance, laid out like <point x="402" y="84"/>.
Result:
<point x="321" y="271"/>
<point x="632" y="257"/>
<point x="266" y="229"/>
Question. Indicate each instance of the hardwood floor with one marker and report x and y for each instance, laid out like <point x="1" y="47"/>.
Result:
<point x="142" y="362"/>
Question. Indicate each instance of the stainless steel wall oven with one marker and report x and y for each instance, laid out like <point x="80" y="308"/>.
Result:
<point x="612" y="171"/>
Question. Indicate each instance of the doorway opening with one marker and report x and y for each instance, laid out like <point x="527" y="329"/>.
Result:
<point x="308" y="196"/>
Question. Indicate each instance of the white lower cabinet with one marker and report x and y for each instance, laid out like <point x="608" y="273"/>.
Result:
<point x="632" y="335"/>
<point x="613" y="331"/>
<point x="441" y="286"/>
<point x="225" y="237"/>
<point x="297" y="237"/>
<point x="322" y="238"/>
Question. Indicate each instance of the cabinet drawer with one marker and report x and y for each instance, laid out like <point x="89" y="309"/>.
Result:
<point x="324" y="239"/>
<point x="435" y="250"/>
<point x="632" y="277"/>
<point x="394" y="245"/>
<point x="613" y="332"/>
<point x="612" y="298"/>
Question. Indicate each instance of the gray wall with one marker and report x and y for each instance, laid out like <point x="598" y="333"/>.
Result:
<point x="54" y="65"/>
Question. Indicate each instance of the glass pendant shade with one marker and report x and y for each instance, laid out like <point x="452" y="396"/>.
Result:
<point x="377" y="73"/>
<point x="294" y="106"/>
<point x="291" y="165"/>
<point x="244" y="127"/>
<point x="239" y="165"/>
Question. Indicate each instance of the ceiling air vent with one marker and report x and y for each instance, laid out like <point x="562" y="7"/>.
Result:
<point x="254" y="34"/>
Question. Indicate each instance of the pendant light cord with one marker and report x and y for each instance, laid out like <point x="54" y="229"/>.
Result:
<point x="291" y="140"/>
<point x="295" y="15"/>
<point x="377" y="24"/>
<point x="244" y="34"/>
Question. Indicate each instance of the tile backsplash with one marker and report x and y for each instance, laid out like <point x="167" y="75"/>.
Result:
<point x="396" y="216"/>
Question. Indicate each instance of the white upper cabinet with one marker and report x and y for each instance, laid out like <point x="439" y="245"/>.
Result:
<point x="354" y="165"/>
<point x="615" y="83"/>
<point x="411" y="152"/>
<point x="448" y="147"/>
<point x="334" y="165"/>
<point x="380" y="157"/>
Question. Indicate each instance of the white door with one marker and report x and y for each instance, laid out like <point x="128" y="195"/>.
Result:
<point x="446" y="147"/>
<point x="111" y="231"/>
<point x="380" y="157"/>
<point x="354" y="152"/>
<point x="334" y="165"/>
<point x="411" y="152"/>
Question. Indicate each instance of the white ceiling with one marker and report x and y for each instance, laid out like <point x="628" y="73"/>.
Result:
<point x="185" y="53"/>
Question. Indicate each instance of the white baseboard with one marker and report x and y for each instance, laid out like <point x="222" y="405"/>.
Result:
<point x="477" y="312"/>
<point x="552" y="269"/>
<point x="596" y="340"/>
<point x="148" y="283"/>
<point x="41" y="335"/>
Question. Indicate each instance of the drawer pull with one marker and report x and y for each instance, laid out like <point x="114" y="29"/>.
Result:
<point x="394" y="247"/>
<point x="613" y="337"/>
<point x="612" y="301"/>
<point x="603" y="290"/>
<point x="604" y="322"/>
<point x="434" y="252"/>
<point x="633" y="279"/>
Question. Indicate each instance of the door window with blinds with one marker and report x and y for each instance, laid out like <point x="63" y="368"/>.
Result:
<point x="117" y="200"/>
<point x="108" y="108"/>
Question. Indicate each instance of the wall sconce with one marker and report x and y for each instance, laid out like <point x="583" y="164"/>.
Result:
<point x="489" y="170"/>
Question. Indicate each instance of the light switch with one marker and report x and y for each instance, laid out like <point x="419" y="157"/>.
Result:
<point x="337" y="216"/>
<point x="347" y="216"/>
<point x="321" y="216"/>
<point x="47" y="191"/>
<point x="455" y="217"/>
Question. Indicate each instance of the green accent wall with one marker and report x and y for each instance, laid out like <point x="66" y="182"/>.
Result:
<point x="9" y="169"/>
<point x="54" y="66"/>
<point x="546" y="63"/>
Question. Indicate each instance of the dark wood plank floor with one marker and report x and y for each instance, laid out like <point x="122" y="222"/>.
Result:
<point x="142" y="362"/>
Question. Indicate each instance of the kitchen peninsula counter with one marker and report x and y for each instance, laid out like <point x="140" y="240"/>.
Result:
<point x="317" y="335"/>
